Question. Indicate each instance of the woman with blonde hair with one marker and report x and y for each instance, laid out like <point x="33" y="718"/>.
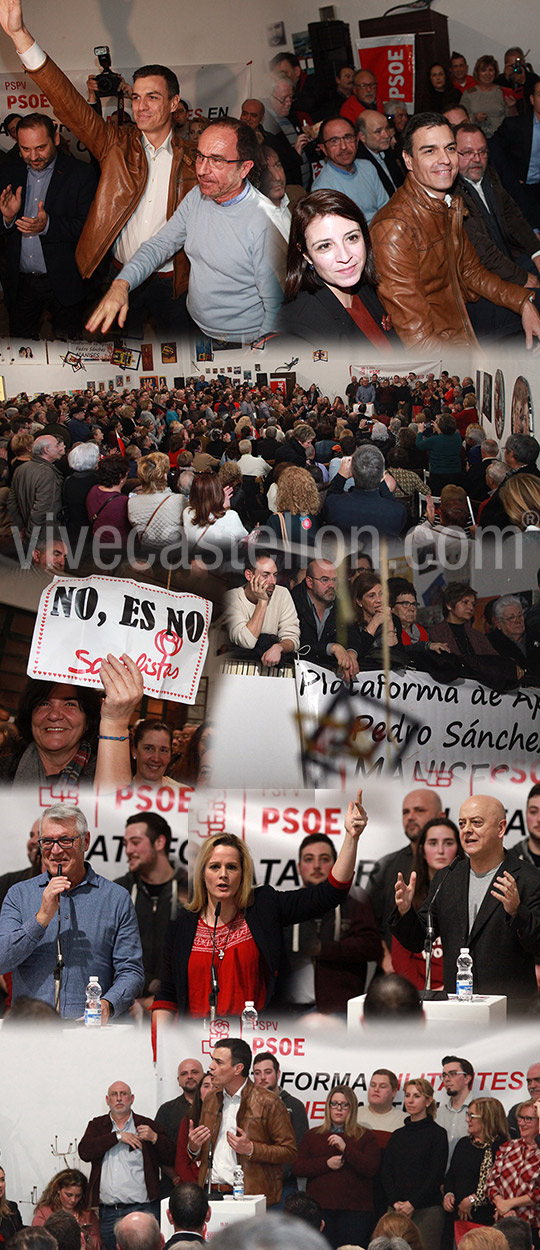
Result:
<point x="297" y="506"/>
<point x="153" y="510"/>
<point x="68" y="1191"/>
<point x="466" y="1181"/>
<point x="520" y="497"/>
<point x="486" y="103"/>
<point x="340" y="1159"/>
<point x="235" y="930"/>
<point x="414" y="1163"/>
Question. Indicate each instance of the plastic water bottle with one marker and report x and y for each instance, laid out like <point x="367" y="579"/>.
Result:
<point x="238" y="1183"/>
<point x="250" y="1017"/>
<point x="464" y="979"/>
<point x="92" y="1012"/>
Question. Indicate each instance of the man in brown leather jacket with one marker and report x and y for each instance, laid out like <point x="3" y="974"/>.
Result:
<point x="243" y="1125"/>
<point x="428" y="269"/>
<point x="145" y="172"/>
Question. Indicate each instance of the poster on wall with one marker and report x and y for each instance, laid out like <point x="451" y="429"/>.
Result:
<point x="486" y="396"/>
<point x="499" y="403"/>
<point x="522" y="412"/>
<point x="391" y="59"/>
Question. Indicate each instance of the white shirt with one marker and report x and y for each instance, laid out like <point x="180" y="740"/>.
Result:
<point x="225" y="1158"/>
<point x="151" y="213"/>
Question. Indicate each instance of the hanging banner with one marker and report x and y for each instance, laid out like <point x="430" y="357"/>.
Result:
<point x="80" y="622"/>
<point x="391" y="59"/>
<point x="212" y="91"/>
<point x="440" y="729"/>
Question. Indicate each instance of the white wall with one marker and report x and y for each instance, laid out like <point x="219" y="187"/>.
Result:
<point x="192" y="33"/>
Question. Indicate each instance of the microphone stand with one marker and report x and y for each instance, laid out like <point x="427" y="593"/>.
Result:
<point x="59" y="965"/>
<point x="430" y="932"/>
<point x="214" y="983"/>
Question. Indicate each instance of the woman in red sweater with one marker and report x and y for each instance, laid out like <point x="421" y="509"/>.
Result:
<point x="340" y="1160"/>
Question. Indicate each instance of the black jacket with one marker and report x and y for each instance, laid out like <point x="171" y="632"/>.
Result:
<point x="153" y="921"/>
<point x="67" y="202"/>
<point x="267" y="916"/>
<point x="500" y="234"/>
<point x="319" y="318"/>
<point x="414" y="1164"/>
<point x="357" y="508"/>
<point x="503" y="948"/>
<point x="312" y="647"/>
<point x="395" y="176"/>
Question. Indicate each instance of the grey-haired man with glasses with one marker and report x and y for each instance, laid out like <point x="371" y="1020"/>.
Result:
<point x="67" y="924"/>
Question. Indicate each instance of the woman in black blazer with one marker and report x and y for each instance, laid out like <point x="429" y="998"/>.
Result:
<point x="330" y="289"/>
<point x="238" y="929"/>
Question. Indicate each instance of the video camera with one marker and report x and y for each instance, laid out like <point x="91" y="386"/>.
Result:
<point x="108" y="83"/>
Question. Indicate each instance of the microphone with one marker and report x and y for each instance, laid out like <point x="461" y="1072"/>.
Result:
<point x="208" y="1184"/>
<point x="214" y="983"/>
<point x="430" y="933"/>
<point x="59" y="956"/>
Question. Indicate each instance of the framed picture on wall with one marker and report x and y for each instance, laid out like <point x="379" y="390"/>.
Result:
<point x="499" y="403"/>
<point x="522" y="412"/>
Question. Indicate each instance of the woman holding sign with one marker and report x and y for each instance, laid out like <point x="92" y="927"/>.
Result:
<point x="69" y="735"/>
<point x="233" y="933"/>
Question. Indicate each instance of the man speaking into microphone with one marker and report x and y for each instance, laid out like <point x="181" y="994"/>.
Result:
<point x="68" y="924"/>
<point x="490" y="902"/>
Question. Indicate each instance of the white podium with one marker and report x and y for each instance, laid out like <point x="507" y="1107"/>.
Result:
<point x="231" y="1211"/>
<point x="484" y="1010"/>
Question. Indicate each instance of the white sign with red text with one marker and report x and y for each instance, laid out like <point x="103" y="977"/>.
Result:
<point x="80" y="621"/>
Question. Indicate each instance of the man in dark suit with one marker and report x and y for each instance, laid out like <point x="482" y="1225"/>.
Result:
<point x="188" y="1212"/>
<point x="475" y="480"/>
<point x="45" y="197"/>
<point x="517" y="141"/>
<point x="375" y="137"/>
<point x="497" y="229"/>
<point x="370" y="502"/>
<point x="489" y="903"/>
<point x="521" y="454"/>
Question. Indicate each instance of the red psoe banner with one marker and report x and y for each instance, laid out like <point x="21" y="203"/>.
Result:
<point x="391" y="59"/>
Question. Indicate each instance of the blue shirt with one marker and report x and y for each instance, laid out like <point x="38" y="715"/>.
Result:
<point x="37" y="184"/>
<point x="362" y="184"/>
<point x="99" y="936"/>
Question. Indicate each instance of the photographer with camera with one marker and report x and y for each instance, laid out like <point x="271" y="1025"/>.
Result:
<point x="144" y="173"/>
<point x="107" y="84"/>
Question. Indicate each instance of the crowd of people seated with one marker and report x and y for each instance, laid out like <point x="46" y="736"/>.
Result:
<point x="306" y="216"/>
<point x="255" y="490"/>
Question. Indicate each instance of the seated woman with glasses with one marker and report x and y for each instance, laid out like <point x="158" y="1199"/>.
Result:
<point x="340" y="1160"/>
<point x="513" y="1185"/>
<point x="466" y="1181"/>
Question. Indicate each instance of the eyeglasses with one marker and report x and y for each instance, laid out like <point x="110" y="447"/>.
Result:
<point x="449" y="1075"/>
<point x="527" y="1119"/>
<point x="65" y="844"/>
<point x="333" y="143"/>
<point x="405" y="603"/>
<point x="339" y="1106"/>
<point x="215" y="162"/>
<point x="471" y="1115"/>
